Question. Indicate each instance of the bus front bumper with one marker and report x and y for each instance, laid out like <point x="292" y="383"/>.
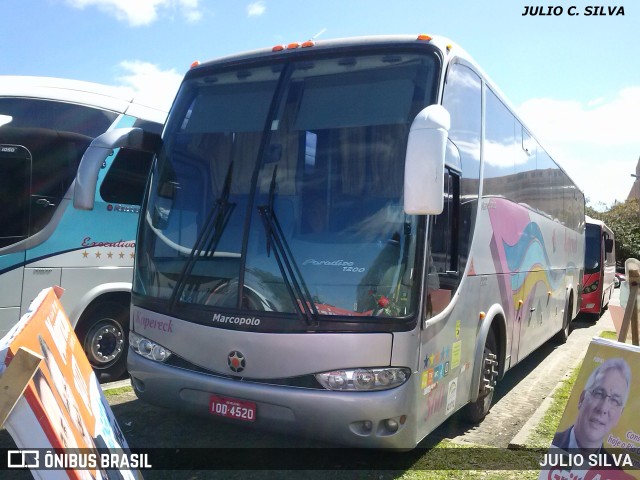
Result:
<point x="591" y="302"/>
<point x="357" y="419"/>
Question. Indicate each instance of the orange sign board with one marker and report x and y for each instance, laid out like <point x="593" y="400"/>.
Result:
<point x="63" y="407"/>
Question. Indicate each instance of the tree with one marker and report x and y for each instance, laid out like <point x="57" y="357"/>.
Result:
<point x="624" y="220"/>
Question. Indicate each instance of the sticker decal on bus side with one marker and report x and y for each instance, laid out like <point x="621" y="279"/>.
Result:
<point x="452" y="392"/>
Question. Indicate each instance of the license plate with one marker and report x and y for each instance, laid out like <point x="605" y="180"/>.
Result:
<point x="232" y="408"/>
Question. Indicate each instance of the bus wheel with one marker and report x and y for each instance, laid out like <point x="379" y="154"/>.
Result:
<point x="563" y="335"/>
<point x="476" y="411"/>
<point x="103" y="333"/>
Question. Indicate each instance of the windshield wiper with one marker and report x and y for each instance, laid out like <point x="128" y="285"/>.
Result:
<point x="293" y="279"/>
<point x="209" y="237"/>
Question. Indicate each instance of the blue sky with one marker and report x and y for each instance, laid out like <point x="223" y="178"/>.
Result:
<point x="574" y="79"/>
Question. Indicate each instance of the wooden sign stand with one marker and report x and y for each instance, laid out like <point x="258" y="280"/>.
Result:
<point x="631" y="312"/>
<point x="15" y="379"/>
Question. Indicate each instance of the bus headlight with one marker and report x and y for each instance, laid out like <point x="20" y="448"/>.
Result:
<point x="363" y="379"/>
<point x="147" y="348"/>
<point x="591" y="288"/>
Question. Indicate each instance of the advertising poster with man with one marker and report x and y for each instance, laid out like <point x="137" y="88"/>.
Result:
<point x="598" y="437"/>
<point x="62" y="425"/>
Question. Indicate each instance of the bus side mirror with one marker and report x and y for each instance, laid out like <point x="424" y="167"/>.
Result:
<point x="424" y="162"/>
<point x="608" y="245"/>
<point x="98" y="152"/>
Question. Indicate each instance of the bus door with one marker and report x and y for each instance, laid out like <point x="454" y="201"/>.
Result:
<point x="15" y="186"/>
<point x="608" y="265"/>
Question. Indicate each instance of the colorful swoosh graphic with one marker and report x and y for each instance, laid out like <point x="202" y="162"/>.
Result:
<point x="518" y="246"/>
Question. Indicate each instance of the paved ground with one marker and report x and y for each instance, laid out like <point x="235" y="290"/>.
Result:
<point x="527" y="385"/>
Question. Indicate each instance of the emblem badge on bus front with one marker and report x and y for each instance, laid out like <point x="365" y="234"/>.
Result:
<point x="236" y="361"/>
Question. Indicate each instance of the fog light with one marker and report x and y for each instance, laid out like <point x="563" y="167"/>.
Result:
<point x="391" y="425"/>
<point x="364" y="428"/>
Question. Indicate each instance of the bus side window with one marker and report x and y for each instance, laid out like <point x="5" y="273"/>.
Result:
<point x="463" y="100"/>
<point x="15" y="179"/>
<point x="56" y="157"/>
<point x="126" y="178"/>
<point x="609" y="250"/>
<point x="444" y="230"/>
<point x="444" y="274"/>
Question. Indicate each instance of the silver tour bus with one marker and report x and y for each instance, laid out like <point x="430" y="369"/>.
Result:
<point x="349" y="240"/>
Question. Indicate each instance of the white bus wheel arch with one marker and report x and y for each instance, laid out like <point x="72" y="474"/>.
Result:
<point x="563" y="335"/>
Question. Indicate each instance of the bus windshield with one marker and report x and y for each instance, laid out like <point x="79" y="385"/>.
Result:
<point x="280" y="189"/>
<point x="592" y="251"/>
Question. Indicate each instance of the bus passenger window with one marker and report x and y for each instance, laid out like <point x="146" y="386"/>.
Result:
<point x="15" y="177"/>
<point x="55" y="158"/>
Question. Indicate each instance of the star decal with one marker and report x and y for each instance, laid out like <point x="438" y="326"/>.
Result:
<point x="428" y="361"/>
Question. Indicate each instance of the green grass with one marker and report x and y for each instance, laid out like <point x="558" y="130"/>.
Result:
<point x="112" y="392"/>
<point x="472" y="475"/>
<point x="473" y="462"/>
<point x="609" y="335"/>
<point x="548" y="426"/>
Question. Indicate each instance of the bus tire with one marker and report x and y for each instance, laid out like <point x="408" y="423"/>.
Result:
<point x="563" y="335"/>
<point x="474" y="412"/>
<point x="103" y="332"/>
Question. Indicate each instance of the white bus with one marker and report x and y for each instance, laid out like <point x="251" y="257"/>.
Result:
<point x="349" y="240"/>
<point x="46" y="124"/>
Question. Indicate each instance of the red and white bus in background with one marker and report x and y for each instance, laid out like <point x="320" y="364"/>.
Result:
<point x="599" y="267"/>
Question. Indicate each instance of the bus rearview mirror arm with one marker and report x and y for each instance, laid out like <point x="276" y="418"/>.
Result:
<point x="97" y="153"/>
<point x="424" y="162"/>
